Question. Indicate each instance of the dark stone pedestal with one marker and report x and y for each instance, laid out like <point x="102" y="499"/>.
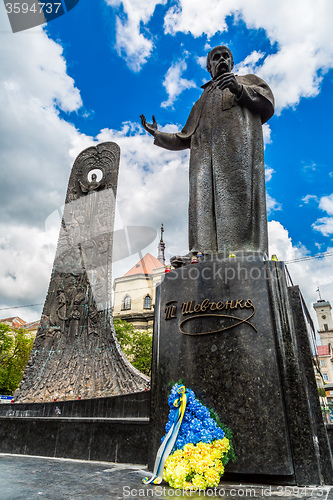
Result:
<point x="114" y="429"/>
<point x="235" y="334"/>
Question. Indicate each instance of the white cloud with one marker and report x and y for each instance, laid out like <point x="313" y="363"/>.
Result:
<point x="324" y="225"/>
<point x="163" y="179"/>
<point x="271" y="204"/>
<point x="25" y="265"/>
<point x="152" y="189"/>
<point x="326" y="204"/>
<point x="280" y="242"/>
<point x="268" y="173"/>
<point x="131" y="43"/>
<point x="301" y="29"/>
<point x="202" y="61"/>
<point x="34" y="141"/>
<point x="174" y="84"/>
<point x="266" y="131"/>
<point x="306" y="199"/>
<point x="250" y="64"/>
<point x="306" y="274"/>
<point x="36" y="153"/>
<point x="311" y="167"/>
<point x="197" y="17"/>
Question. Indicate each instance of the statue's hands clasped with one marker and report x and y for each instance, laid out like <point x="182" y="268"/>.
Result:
<point x="228" y="81"/>
<point x="150" y="127"/>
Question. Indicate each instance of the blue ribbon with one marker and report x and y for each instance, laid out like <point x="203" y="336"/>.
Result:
<point x="169" y="440"/>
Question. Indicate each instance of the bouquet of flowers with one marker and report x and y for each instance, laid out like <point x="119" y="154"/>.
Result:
<point x="196" y="446"/>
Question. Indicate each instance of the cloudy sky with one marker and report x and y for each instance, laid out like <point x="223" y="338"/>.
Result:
<point x="88" y="75"/>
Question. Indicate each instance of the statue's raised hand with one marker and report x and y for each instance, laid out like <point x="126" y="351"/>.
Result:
<point x="150" y="127"/>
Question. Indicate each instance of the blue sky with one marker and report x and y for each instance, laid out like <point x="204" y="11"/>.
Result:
<point x="88" y="75"/>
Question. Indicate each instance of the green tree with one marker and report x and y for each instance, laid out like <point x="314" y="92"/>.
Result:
<point x="15" y="348"/>
<point x="136" y="345"/>
<point x="321" y="392"/>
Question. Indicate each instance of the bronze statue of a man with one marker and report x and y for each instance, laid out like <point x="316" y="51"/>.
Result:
<point x="227" y="205"/>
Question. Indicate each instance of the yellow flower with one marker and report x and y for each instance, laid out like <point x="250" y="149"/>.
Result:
<point x="223" y="444"/>
<point x="198" y="482"/>
<point x="188" y="486"/>
<point x="188" y="449"/>
<point x="216" y="452"/>
<point x="201" y="465"/>
<point x="202" y="460"/>
<point x="212" y="477"/>
<point x="203" y="448"/>
<point x="181" y="471"/>
<point x="219" y="467"/>
<point x="177" y="455"/>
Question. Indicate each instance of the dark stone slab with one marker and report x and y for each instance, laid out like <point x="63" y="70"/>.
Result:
<point x="118" y="440"/>
<point x="234" y="371"/>
<point x="128" y="405"/>
<point x="254" y="371"/>
<point x="129" y="444"/>
<point x="73" y="440"/>
<point x="40" y="438"/>
<point x="311" y="436"/>
<point x="309" y="443"/>
<point x="111" y="429"/>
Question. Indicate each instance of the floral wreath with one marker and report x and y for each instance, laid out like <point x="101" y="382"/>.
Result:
<point x="196" y="447"/>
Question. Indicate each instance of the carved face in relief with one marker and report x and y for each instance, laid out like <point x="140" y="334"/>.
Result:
<point x="219" y="61"/>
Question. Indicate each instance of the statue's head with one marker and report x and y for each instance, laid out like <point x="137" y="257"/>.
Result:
<point x="219" y="61"/>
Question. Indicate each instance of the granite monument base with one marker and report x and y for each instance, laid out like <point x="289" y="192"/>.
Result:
<point x="114" y="429"/>
<point x="235" y="333"/>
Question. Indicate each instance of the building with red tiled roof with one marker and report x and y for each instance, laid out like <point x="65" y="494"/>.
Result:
<point x="32" y="327"/>
<point x="14" y="322"/>
<point x="146" y="265"/>
<point x="134" y="293"/>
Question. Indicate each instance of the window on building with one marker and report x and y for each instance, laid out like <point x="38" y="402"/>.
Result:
<point x="322" y="362"/>
<point x="325" y="377"/>
<point x="325" y="327"/>
<point x="147" y="302"/>
<point x="126" y="303"/>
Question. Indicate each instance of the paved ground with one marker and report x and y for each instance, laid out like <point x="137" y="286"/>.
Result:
<point x="34" y="478"/>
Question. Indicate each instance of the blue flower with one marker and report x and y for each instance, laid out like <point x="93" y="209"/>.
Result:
<point x="197" y="424"/>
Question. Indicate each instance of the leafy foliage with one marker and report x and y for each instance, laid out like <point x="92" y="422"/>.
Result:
<point x="228" y="434"/>
<point x="136" y="345"/>
<point x="321" y="392"/>
<point x="15" y="348"/>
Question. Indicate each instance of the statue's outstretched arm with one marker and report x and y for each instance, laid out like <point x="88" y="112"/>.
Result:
<point x="163" y="139"/>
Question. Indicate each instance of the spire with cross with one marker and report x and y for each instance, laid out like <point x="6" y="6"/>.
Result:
<point x="161" y="248"/>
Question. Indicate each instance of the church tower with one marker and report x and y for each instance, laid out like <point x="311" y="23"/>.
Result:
<point x="161" y="248"/>
<point x="324" y="316"/>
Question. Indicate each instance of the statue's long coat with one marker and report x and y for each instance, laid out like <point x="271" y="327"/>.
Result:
<point x="227" y="207"/>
